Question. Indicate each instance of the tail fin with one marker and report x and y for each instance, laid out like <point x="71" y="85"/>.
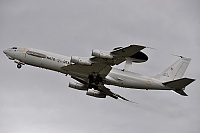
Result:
<point x="175" y="71"/>
<point x="179" y="85"/>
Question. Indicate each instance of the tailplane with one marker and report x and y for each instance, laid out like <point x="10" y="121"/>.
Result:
<point x="175" y="71"/>
<point x="179" y="85"/>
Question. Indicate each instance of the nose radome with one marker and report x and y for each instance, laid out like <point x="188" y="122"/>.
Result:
<point x="5" y="51"/>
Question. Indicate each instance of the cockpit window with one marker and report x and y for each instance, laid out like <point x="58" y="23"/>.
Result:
<point x="14" y="48"/>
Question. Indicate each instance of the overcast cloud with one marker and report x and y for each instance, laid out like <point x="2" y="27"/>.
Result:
<point x="34" y="100"/>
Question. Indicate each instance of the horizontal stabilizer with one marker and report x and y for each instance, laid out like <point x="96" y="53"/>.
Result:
<point x="179" y="83"/>
<point x="181" y="92"/>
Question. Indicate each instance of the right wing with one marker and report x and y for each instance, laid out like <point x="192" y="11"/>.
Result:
<point x="107" y="91"/>
<point x="104" y="90"/>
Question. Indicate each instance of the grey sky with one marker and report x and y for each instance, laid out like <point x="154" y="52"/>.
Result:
<point x="38" y="101"/>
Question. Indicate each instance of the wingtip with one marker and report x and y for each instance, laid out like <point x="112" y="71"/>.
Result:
<point x="134" y="102"/>
<point x="151" y="48"/>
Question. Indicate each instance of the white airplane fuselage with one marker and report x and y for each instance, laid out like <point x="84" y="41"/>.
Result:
<point x="55" y="62"/>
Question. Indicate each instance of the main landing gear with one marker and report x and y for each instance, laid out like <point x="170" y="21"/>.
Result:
<point x="94" y="79"/>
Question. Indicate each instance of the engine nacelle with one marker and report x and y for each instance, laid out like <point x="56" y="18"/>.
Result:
<point x="77" y="60"/>
<point x="77" y="86"/>
<point x="95" y="93"/>
<point x="101" y="54"/>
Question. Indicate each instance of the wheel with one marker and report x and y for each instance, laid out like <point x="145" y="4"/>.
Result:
<point x="91" y="79"/>
<point x="19" y="66"/>
<point x="96" y="82"/>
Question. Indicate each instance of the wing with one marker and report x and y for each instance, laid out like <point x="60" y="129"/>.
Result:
<point x="85" y="71"/>
<point x="107" y="91"/>
<point x="103" y="90"/>
<point x="98" y="65"/>
<point x="119" y="54"/>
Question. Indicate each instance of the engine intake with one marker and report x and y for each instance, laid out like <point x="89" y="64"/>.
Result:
<point x="101" y="54"/>
<point x="95" y="93"/>
<point x="77" y="60"/>
<point x="77" y="86"/>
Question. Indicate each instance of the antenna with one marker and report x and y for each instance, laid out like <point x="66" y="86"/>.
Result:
<point x="151" y="48"/>
<point x="177" y="55"/>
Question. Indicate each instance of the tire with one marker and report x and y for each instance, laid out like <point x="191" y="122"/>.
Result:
<point x="19" y="66"/>
<point x="96" y="82"/>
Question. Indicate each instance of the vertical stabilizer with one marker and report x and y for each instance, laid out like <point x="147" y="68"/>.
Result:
<point x="175" y="71"/>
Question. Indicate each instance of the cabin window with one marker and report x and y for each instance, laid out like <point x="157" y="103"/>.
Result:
<point x="36" y="54"/>
<point x="14" y="48"/>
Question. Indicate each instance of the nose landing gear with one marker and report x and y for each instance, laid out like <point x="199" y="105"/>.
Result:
<point x="19" y="64"/>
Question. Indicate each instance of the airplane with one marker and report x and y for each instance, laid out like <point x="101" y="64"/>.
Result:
<point x="92" y="74"/>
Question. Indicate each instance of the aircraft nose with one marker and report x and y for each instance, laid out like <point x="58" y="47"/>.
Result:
<point x="5" y="51"/>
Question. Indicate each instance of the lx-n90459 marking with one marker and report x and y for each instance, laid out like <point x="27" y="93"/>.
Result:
<point x="92" y="74"/>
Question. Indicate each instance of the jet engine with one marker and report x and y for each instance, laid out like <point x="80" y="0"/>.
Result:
<point x="101" y="54"/>
<point x="77" y="60"/>
<point x="77" y="86"/>
<point x="95" y="93"/>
